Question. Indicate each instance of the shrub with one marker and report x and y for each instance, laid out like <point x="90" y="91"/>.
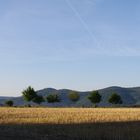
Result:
<point x="9" y="103"/>
<point x="38" y="99"/>
<point x="28" y="105"/>
<point x="74" y="96"/>
<point x="115" y="99"/>
<point x="52" y="98"/>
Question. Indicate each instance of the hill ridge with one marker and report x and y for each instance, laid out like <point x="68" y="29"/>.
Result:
<point x="130" y="96"/>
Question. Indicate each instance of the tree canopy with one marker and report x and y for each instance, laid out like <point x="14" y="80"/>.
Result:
<point x="95" y="97"/>
<point x="115" y="99"/>
<point x="29" y="94"/>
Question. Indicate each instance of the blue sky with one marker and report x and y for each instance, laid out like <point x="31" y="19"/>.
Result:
<point x="77" y="44"/>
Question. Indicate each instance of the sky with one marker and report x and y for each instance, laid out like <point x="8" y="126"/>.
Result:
<point x="75" y="44"/>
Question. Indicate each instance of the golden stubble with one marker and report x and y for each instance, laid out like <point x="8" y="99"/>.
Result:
<point x="67" y="115"/>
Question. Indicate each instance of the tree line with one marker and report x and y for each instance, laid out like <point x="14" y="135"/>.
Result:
<point x="95" y="97"/>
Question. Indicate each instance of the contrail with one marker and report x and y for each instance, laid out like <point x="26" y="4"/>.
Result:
<point x="81" y="20"/>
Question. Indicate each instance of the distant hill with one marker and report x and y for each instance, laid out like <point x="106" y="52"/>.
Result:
<point x="130" y="97"/>
<point x="4" y="97"/>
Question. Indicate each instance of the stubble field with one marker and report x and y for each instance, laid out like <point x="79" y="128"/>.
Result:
<point x="69" y="123"/>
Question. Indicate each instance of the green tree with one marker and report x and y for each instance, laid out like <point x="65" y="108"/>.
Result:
<point x="95" y="97"/>
<point x="115" y="99"/>
<point x="9" y="103"/>
<point x="52" y="98"/>
<point x="29" y="94"/>
<point x="74" y="96"/>
<point x="38" y="99"/>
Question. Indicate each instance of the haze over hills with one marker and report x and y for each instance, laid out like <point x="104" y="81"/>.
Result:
<point x="130" y="97"/>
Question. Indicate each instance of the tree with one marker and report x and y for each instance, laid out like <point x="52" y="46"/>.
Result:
<point x="74" y="96"/>
<point x="38" y="99"/>
<point x="9" y="103"/>
<point x="52" y="98"/>
<point x="115" y="99"/>
<point x="29" y="94"/>
<point x="95" y="97"/>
